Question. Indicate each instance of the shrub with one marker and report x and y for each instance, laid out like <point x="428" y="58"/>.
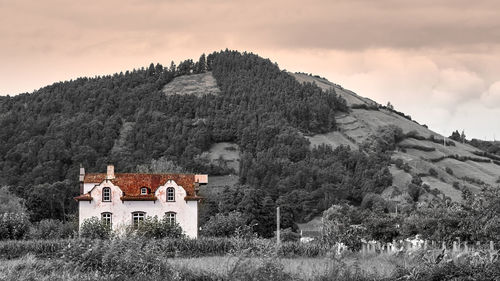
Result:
<point x="152" y="227"/>
<point x="224" y="225"/>
<point x="95" y="228"/>
<point x="414" y="191"/>
<point x="456" y="185"/>
<point x="47" y="229"/>
<point x="449" y="171"/>
<point x="399" y="163"/>
<point x="287" y="235"/>
<point x="13" y="226"/>
<point x="433" y="172"/>
<point x="416" y="180"/>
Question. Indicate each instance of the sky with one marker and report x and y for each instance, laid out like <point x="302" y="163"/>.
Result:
<point x="436" y="60"/>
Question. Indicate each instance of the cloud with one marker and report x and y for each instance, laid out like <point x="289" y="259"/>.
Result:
<point x="430" y="58"/>
<point x="457" y="86"/>
<point x="491" y="97"/>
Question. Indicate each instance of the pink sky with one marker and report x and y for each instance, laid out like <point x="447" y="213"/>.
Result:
<point x="438" y="61"/>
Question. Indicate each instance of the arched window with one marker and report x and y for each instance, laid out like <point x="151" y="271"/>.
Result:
<point x="106" y="194"/>
<point x="171" y="194"/>
<point x="137" y="218"/>
<point x="170" y="217"/>
<point x="106" y="217"/>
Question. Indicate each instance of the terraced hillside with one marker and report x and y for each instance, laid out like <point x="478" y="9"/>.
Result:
<point x="447" y="168"/>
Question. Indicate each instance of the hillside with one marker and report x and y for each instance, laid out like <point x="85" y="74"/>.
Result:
<point x="266" y="137"/>
<point x="468" y="169"/>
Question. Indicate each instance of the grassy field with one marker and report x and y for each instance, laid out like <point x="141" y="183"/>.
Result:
<point x="229" y="259"/>
<point x="195" y="84"/>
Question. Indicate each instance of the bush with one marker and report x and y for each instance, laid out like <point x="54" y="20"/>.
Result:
<point x="13" y="226"/>
<point x="449" y="171"/>
<point x="416" y="180"/>
<point x="414" y="191"/>
<point x="433" y="172"/>
<point x="152" y="227"/>
<point x="224" y="225"/>
<point x="95" y="228"/>
<point x="287" y="235"/>
<point x="399" y="163"/>
<point x="47" y="229"/>
<point x="456" y="185"/>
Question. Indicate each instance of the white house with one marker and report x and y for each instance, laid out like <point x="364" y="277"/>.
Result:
<point x="125" y="199"/>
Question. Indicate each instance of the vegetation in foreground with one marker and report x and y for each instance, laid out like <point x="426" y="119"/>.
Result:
<point x="228" y="259"/>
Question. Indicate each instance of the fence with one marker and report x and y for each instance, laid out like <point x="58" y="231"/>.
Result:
<point x="454" y="247"/>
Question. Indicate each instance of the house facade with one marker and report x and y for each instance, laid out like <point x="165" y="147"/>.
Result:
<point x="124" y="199"/>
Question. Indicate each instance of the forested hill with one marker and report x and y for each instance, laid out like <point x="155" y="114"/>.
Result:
<point x="126" y="119"/>
<point x="155" y="119"/>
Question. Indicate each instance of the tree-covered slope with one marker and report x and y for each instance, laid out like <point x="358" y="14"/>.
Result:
<point x="126" y="119"/>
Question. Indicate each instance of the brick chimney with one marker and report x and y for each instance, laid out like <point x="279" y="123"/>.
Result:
<point x="82" y="177"/>
<point x="111" y="172"/>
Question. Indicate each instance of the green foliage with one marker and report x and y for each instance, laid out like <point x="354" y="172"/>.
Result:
<point x="52" y="229"/>
<point x="288" y="235"/>
<point x="152" y="227"/>
<point x="343" y="224"/>
<point x="449" y="171"/>
<point x="224" y="225"/>
<point x="94" y="228"/>
<point x="385" y="139"/>
<point x="10" y="203"/>
<point x="433" y="172"/>
<point x="374" y="202"/>
<point x="13" y="226"/>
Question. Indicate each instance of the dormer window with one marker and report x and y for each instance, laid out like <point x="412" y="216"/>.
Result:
<point x="170" y="194"/>
<point x="144" y="191"/>
<point x="106" y="194"/>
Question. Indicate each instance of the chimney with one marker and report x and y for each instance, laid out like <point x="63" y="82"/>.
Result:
<point x="111" y="172"/>
<point x="82" y="177"/>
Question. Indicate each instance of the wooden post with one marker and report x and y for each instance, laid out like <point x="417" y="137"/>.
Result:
<point x="278" y="240"/>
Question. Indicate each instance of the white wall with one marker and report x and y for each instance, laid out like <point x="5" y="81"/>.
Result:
<point x="187" y="211"/>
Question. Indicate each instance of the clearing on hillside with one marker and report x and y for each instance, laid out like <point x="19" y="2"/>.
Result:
<point x="224" y="154"/>
<point x="194" y="84"/>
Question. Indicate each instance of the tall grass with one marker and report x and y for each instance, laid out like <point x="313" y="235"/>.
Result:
<point x="229" y="259"/>
<point x="165" y="247"/>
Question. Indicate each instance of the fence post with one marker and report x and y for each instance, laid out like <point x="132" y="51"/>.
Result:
<point x="278" y="240"/>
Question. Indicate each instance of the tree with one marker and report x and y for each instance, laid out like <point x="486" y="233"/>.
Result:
<point x="201" y="65"/>
<point x="456" y="136"/>
<point x="10" y="203"/>
<point x="390" y="106"/>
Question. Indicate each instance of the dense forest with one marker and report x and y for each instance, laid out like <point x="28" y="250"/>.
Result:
<point x="127" y="120"/>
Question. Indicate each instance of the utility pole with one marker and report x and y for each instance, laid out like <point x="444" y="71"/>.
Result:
<point x="278" y="225"/>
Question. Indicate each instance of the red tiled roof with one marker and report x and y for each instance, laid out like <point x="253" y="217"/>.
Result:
<point x="83" y="197"/>
<point x="149" y="197"/>
<point x="131" y="184"/>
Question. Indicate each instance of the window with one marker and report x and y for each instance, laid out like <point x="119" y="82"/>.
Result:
<point x="170" y="217"/>
<point x="106" y="218"/>
<point x="144" y="191"/>
<point x="170" y="194"/>
<point x="106" y="194"/>
<point x="137" y="217"/>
